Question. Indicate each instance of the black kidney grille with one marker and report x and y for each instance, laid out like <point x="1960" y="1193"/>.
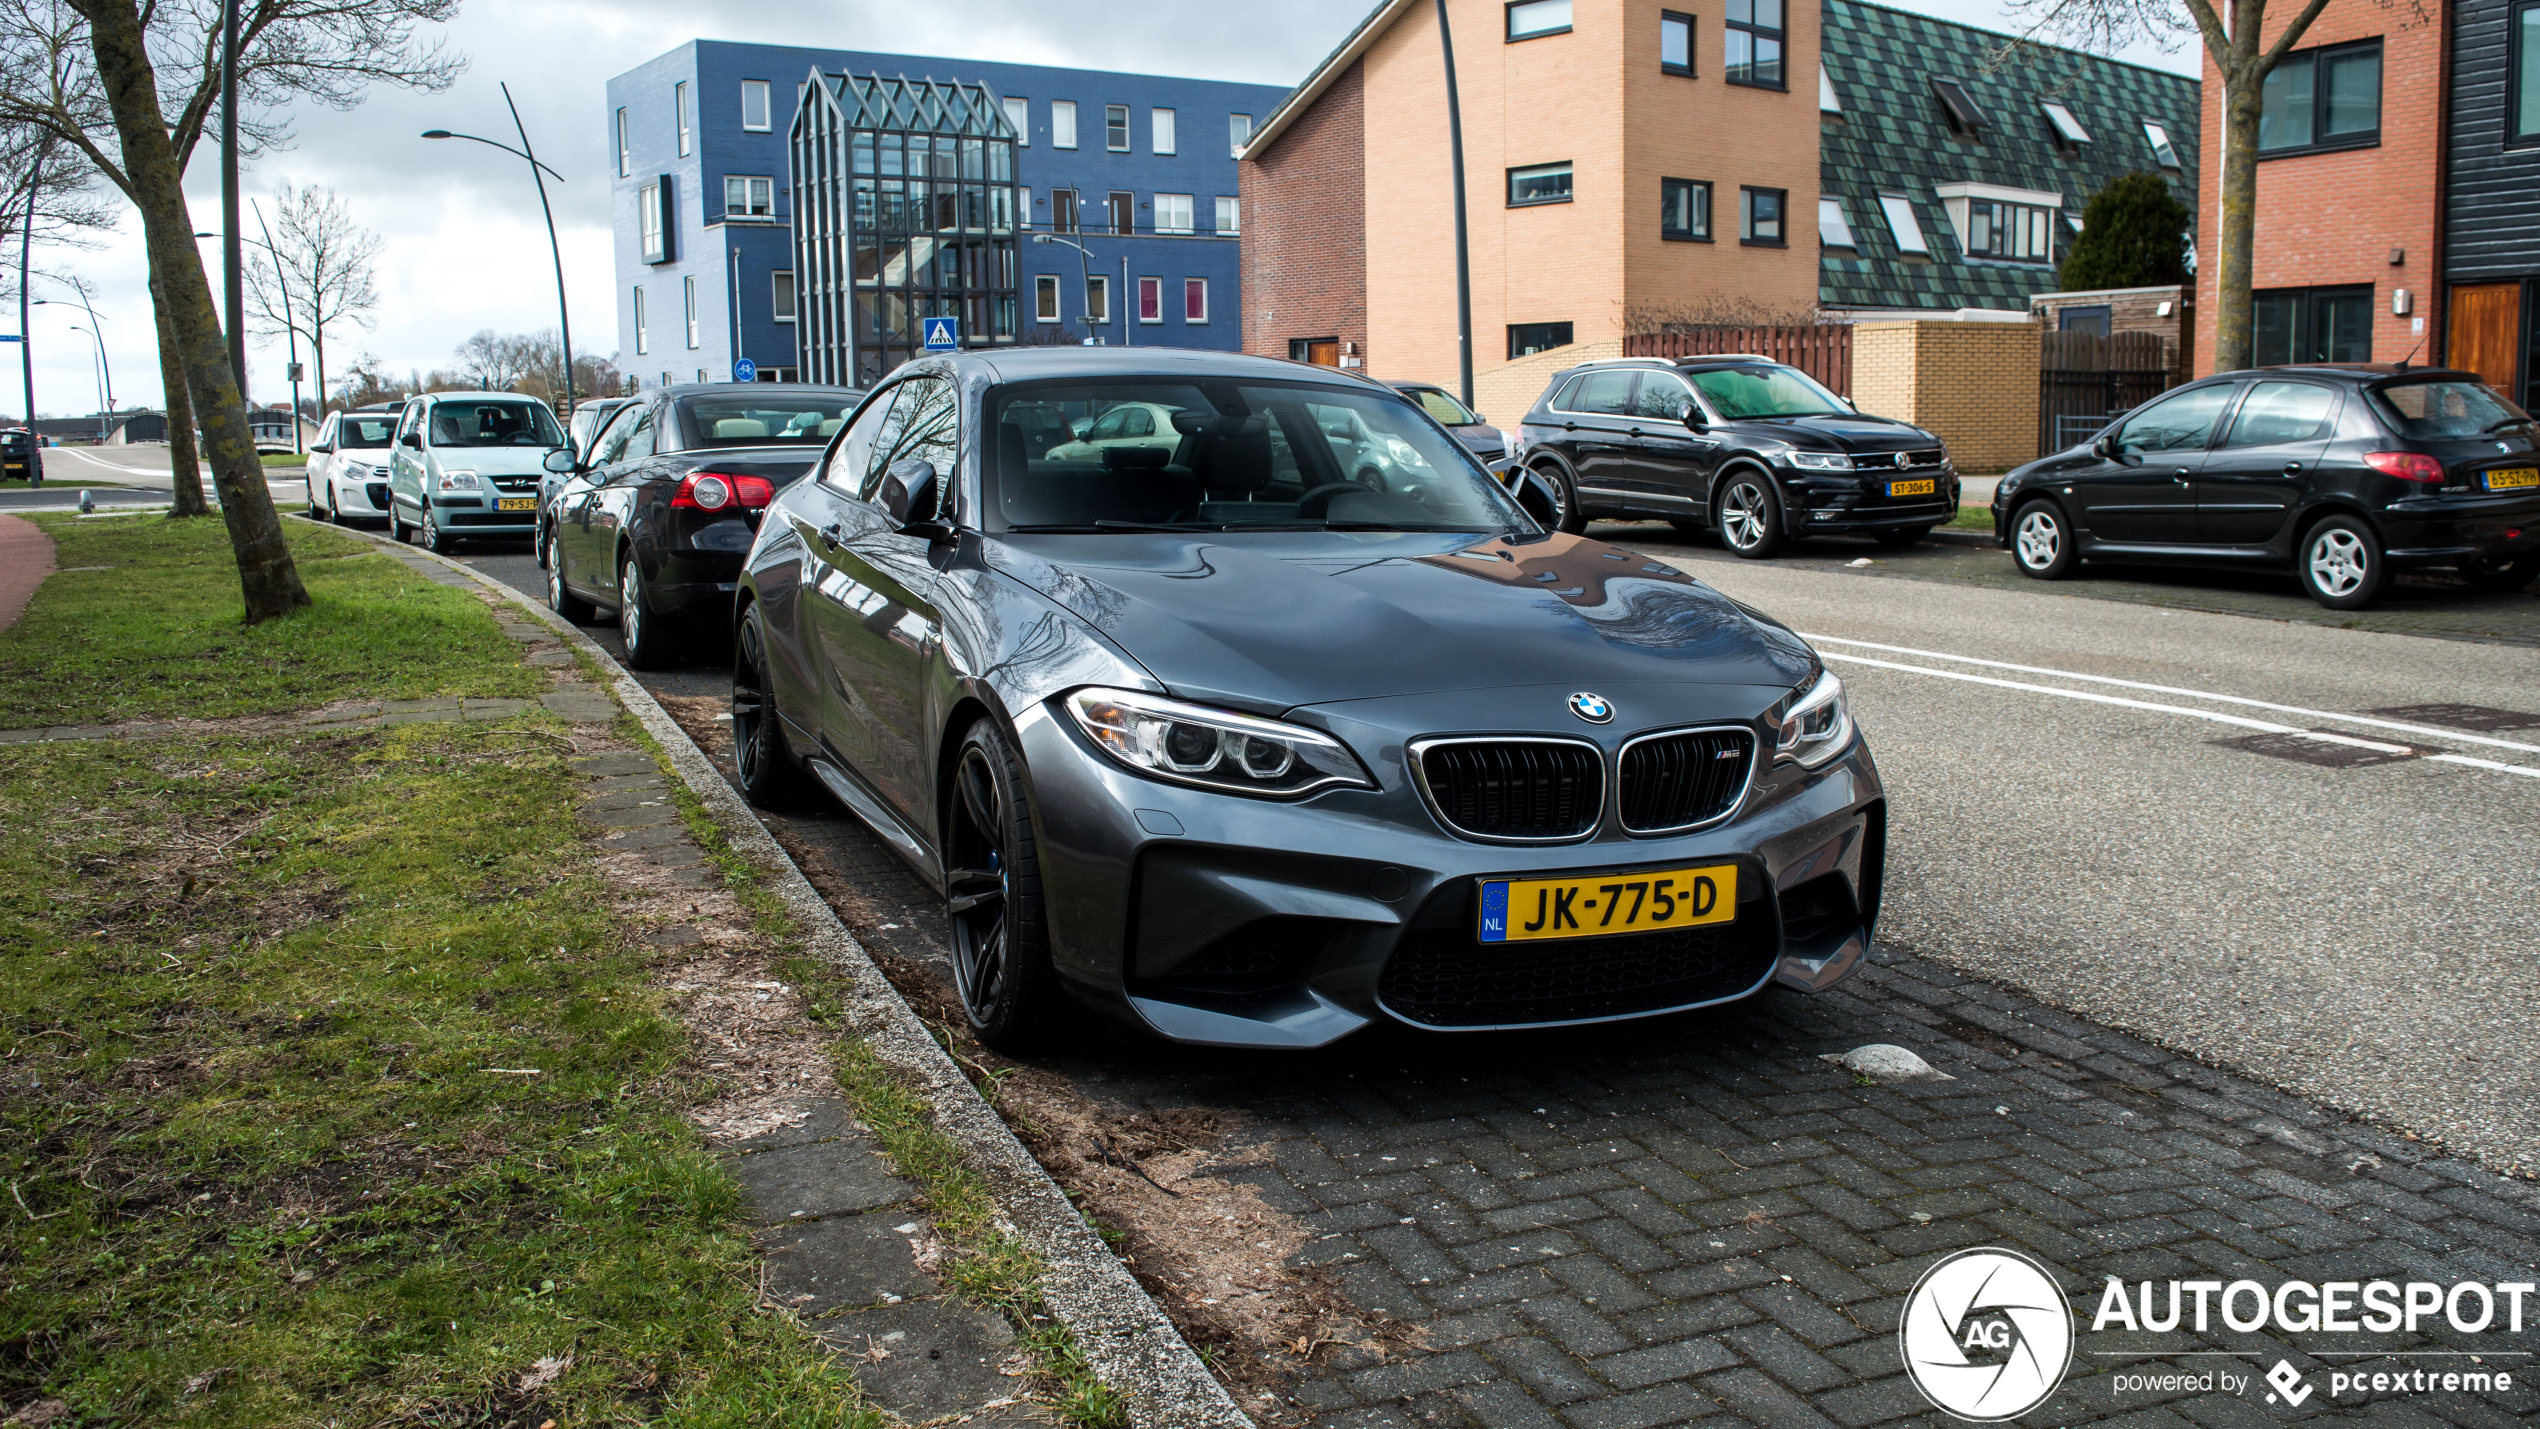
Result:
<point x="1511" y="789"/>
<point x="1672" y="781"/>
<point x="1441" y="977"/>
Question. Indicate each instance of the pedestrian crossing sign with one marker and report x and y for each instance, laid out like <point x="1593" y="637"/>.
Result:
<point x="943" y="334"/>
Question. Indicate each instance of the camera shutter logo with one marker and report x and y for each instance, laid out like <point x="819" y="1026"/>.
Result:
<point x="1987" y="1335"/>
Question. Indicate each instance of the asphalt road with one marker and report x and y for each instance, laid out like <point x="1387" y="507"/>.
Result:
<point x="123" y="478"/>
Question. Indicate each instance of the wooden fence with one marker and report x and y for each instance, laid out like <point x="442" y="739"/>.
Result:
<point x="1823" y="351"/>
<point x="2085" y="379"/>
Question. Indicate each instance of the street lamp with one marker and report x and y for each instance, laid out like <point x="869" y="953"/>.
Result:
<point x="283" y="284"/>
<point x="537" y="171"/>
<point x="1085" y="259"/>
<point x="105" y="398"/>
<point x="96" y="329"/>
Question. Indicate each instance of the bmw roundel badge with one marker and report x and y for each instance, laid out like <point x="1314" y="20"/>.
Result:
<point x="1595" y="709"/>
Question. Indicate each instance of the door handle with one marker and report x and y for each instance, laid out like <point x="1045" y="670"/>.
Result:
<point x="1569" y="426"/>
<point x="2292" y="467"/>
<point x="2179" y="476"/>
<point x="1631" y="431"/>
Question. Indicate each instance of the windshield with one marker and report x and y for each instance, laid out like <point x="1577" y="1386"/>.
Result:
<point x="2441" y="409"/>
<point x="366" y="431"/>
<point x="767" y="420"/>
<point x="1148" y="454"/>
<point x="1740" y="392"/>
<point x="520" y="423"/>
<point x="1448" y="411"/>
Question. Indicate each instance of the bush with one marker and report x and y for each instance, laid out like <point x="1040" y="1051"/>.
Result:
<point x="2134" y="234"/>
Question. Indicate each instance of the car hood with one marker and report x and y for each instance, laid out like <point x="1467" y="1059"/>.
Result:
<point x="1847" y="432"/>
<point x="1481" y="437"/>
<point x="1270" y="622"/>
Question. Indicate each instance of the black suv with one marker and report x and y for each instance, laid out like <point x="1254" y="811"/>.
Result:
<point x="2342" y="471"/>
<point x="1734" y="443"/>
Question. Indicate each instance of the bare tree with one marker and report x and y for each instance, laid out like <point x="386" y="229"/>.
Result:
<point x="493" y="362"/>
<point x="136" y="112"/>
<point x="329" y="271"/>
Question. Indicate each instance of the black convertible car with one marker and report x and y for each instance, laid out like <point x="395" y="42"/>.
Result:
<point x="1249" y="741"/>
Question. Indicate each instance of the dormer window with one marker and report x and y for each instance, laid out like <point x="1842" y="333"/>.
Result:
<point x="2068" y="131"/>
<point x="1964" y="117"/>
<point x="2159" y="138"/>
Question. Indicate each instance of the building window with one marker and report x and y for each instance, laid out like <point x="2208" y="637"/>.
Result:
<point x="780" y="294"/>
<point x="625" y="150"/>
<point x="1161" y="124"/>
<point x="2522" y="86"/>
<point x="1098" y="301"/>
<point x="2016" y="232"/>
<point x="1062" y="124"/>
<point x="754" y="106"/>
<point x="688" y="295"/>
<point x="1045" y="298"/>
<point x="745" y="197"/>
<point x="1902" y="225"/>
<point x="1230" y="214"/>
<point x="2068" y="131"/>
<point x="643" y="335"/>
<point x="1194" y="300"/>
<point x="1018" y="116"/>
<point x="1172" y="213"/>
<point x="2322" y="99"/>
<point x="1528" y="338"/>
<point x="2159" y="139"/>
<point x="1963" y="115"/>
<point x="1759" y="216"/>
<point x="1543" y="183"/>
<point x="1684" y="209"/>
<point x="2311" y="325"/>
<point x="1828" y="102"/>
<point x="1675" y="42"/>
<point x="1150" y="300"/>
<point x="1115" y="128"/>
<point x="1063" y="210"/>
<point x="1529" y="19"/>
<point x="1238" y="133"/>
<point x="653" y="221"/>
<point x="1754" y="52"/>
<point x="1123" y="206"/>
<point x="1833" y="229"/>
<point x="679" y="103"/>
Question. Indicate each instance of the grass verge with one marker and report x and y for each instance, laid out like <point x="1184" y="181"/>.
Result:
<point x="158" y="632"/>
<point x="1972" y="518"/>
<point x="285" y="459"/>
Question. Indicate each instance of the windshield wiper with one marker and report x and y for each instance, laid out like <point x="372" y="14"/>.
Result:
<point x="2498" y="426"/>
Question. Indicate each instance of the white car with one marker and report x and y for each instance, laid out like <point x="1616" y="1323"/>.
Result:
<point x="1130" y="424"/>
<point x="348" y="464"/>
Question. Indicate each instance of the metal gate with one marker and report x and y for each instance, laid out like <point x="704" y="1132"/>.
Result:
<point x="2086" y="380"/>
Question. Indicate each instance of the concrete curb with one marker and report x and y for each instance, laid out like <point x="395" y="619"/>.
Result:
<point x="1127" y="1339"/>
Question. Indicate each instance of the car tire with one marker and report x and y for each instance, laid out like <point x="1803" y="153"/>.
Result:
<point x="1895" y="540"/>
<point x="1556" y="505"/>
<point x="334" y="505"/>
<point x="2042" y="541"/>
<point x="999" y="928"/>
<point x="434" y="539"/>
<point x="538" y="543"/>
<point x="2339" y="563"/>
<point x="396" y="523"/>
<point x="649" y="645"/>
<point x="1749" y="515"/>
<point x="564" y="602"/>
<point x="316" y="512"/>
<point x="769" y="778"/>
<point x="2501" y="575"/>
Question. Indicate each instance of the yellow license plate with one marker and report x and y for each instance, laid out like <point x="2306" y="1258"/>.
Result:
<point x="516" y="503"/>
<point x="2513" y="480"/>
<point x="1600" y="905"/>
<point x="1911" y="488"/>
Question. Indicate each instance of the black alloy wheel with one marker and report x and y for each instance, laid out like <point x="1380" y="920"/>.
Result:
<point x="1000" y="934"/>
<point x="1750" y="516"/>
<point x="648" y="642"/>
<point x="2499" y="574"/>
<point x="769" y="779"/>
<point x="564" y="602"/>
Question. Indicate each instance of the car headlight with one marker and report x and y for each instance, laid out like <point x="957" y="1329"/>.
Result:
<point x="1213" y="749"/>
<point x="1819" y="461"/>
<point x="1813" y="725"/>
<point x="460" y="481"/>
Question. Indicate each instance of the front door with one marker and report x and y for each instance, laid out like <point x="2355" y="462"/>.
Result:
<point x="1594" y="417"/>
<point x="2143" y="491"/>
<point x="2485" y="332"/>
<point x="586" y="525"/>
<point x="2253" y="480"/>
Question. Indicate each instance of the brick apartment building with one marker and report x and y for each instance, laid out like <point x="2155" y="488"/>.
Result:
<point x="2349" y="258"/>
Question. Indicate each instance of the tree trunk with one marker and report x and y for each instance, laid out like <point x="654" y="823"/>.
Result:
<point x="317" y="354"/>
<point x="185" y="462"/>
<point x="267" y="578"/>
<point x="2235" y="228"/>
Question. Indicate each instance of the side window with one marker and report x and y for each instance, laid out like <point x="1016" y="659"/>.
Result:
<point x="1109" y="425"/>
<point x="2176" y="423"/>
<point x="412" y="417"/>
<point x="1568" y="398"/>
<point x="639" y="437"/>
<point x="612" y="443"/>
<point x="1138" y="423"/>
<point x="1663" y="397"/>
<point x="1607" y="394"/>
<point x="854" y="456"/>
<point x="924" y="427"/>
<point x="2279" y="412"/>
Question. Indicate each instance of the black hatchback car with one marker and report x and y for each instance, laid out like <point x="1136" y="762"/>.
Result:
<point x="2342" y="472"/>
<point x="1737" y="444"/>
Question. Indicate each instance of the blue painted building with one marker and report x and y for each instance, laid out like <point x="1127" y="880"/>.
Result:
<point x="1138" y="170"/>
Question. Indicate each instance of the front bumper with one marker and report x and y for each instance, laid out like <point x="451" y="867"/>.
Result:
<point x="476" y="515"/>
<point x="1839" y="507"/>
<point x="1218" y="919"/>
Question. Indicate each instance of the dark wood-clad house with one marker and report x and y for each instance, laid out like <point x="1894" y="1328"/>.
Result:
<point x="2491" y="219"/>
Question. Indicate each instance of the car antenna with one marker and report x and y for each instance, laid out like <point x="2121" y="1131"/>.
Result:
<point x="2403" y="362"/>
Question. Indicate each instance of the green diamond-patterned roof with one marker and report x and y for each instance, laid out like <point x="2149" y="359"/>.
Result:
<point x="1892" y="136"/>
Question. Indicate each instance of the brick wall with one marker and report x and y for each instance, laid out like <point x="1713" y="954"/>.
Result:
<point x="1974" y="385"/>
<point x="2333" y="219"/>
<point x="1305" y="227"/>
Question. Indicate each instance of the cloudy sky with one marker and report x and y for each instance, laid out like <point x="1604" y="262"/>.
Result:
<point x="464" y="246"/>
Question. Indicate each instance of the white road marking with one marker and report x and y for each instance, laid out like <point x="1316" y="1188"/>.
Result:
<point x="2451" y="736"/>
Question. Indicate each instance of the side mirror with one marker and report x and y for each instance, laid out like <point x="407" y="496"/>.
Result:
<point x="1079" y="427"/>
<point x="561" y="462"/>
<point x="411" y="439"/>
<point x="322" y="448"/>
<point x="908" y="496"/>
<point x="1694" y="421"/>
<point x="2104" y="446"/>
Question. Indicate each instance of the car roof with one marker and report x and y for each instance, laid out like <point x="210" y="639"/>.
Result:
<point x="2356" y="371"/>
<point x="1027" y="364"/>
<point x="726" y="389"/>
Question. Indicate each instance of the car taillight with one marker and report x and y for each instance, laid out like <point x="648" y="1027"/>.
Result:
<point x="715" y="490"/>
<point x="2407" y="466"/>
